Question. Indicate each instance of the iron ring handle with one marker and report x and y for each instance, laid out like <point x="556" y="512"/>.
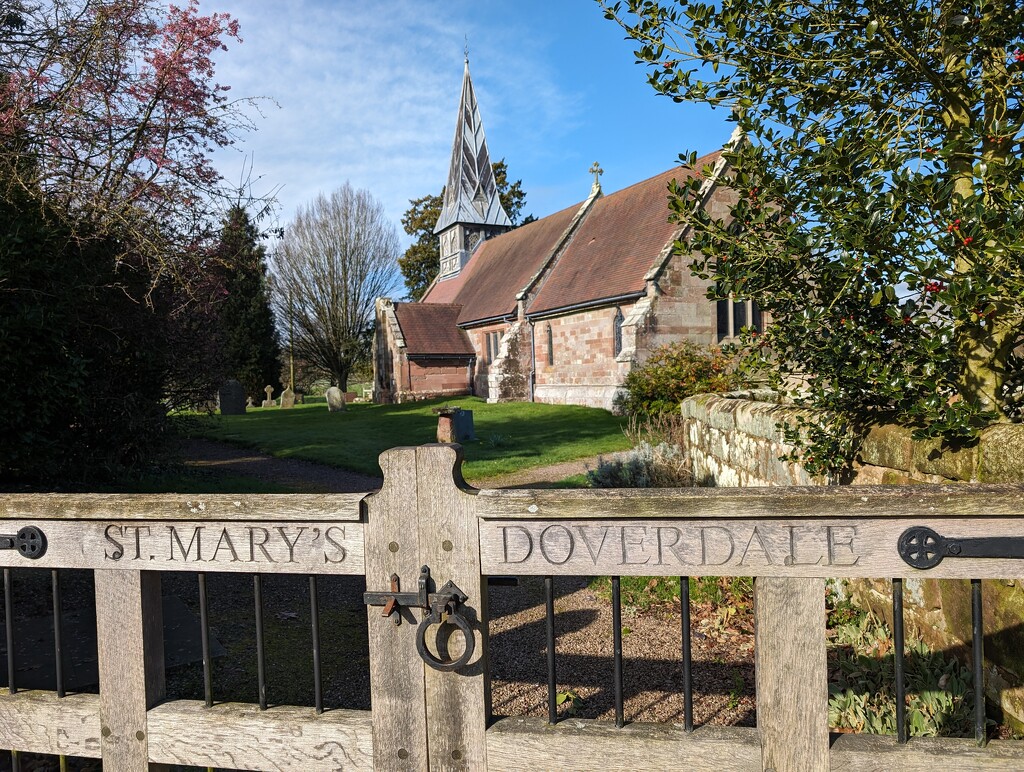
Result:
<point x="425" y="654"/>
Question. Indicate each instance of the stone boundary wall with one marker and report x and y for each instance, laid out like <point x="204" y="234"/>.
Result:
<point x="736" y="440"/>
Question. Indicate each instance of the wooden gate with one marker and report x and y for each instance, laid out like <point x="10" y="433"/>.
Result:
<point x="422" y="717"/>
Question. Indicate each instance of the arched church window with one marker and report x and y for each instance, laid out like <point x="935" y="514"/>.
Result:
<point x="551" y="345"/>
<point x="617" y="330"/>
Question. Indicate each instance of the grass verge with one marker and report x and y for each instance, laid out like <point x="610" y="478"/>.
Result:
<point x="512" y="436"/>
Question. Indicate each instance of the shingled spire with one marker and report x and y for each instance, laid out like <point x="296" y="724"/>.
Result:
<point x="471" y="210"/>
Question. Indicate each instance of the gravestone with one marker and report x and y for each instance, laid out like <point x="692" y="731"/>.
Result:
<point x="249" y="402"/>
<point x="464" y="426"/>
<point x="288" y="398"/>
<point x="231" y="398"/>
<point x="335" y="399"/>
<point x="269" y="401"/>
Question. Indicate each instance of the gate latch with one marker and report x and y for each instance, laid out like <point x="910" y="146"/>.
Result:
<point x="443" y="607"/>
<point x="30" y="541"/>
<point x="921" y="547"/>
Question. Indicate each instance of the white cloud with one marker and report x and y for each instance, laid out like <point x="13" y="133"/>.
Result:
<point x="367" y="93"/>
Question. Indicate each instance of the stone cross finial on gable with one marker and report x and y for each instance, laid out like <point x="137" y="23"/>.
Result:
<point x="597" y="171"/>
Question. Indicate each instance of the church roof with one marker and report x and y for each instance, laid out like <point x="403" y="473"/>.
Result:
<point x="614" y="247"/>
<point x="471" y="195"/>
<point x="501" y="267"/>
<point x="430" y="329"/>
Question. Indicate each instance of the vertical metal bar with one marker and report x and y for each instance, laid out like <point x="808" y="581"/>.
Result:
<point x="15" y="761"/>
<point x="58" y="631"/>
<point x="204" y="630"/>
<point x="617" y="649"/>
<point x="549" y="604"/>
<point x="684" y="607"/>
<point x="901" y="681"/>
<point x="314" y="618"/>
<point x="9" y="622"/>
<point x="978" y="649"/>
<point x="261" y="664"/>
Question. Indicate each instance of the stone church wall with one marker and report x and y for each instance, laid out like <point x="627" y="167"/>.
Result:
<point x="432" y="378"/>
<point x="485" y="358"/>
<point x="584" y="370"/>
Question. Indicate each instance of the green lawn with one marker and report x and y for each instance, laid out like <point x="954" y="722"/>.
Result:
<point x="511" y="436"/>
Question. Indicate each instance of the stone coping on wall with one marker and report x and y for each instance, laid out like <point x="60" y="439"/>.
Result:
<point x="888" y="453"/>
<point x="997" y="456"/>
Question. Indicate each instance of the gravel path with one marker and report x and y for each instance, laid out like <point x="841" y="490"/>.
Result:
<point x="722" y="654"/>
<point x="301" y="476"/>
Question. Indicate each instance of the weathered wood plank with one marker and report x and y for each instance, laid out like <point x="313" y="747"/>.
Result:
<point x="121" y="633"/>
<point x="197" y="545"/>
<point x="449" y="543"/>
<point x="791" y="673"/>
<point x="396" y="673"/>
<point x="529" y="743"/>
<point x="40" y="722"/>
<point x="797" y="547"/>
<point x="516" y="744"/>
<point x="236" y="736"/>
<point x="849" y="501"/>
<point x="875" y="753"/>
<point x="167" y="506"/>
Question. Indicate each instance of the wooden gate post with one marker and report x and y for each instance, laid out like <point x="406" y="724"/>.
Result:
<point x="391" y="547"/>
<point x="129" y="631"/>
<point x="424" y="516"/>
<point x="792" y="674"/>
<point x="457" y="702"/>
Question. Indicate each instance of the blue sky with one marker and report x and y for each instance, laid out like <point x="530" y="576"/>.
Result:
<point x="366" y="92"/>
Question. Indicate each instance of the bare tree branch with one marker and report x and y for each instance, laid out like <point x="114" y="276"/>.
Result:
<point x="336" y="258"/>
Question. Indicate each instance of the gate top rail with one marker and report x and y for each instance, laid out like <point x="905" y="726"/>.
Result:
<point x="867" y="501"/>
<point x="269" y="507"/>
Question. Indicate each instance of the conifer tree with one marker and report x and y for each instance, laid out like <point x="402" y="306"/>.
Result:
<point x="251" y="350"/>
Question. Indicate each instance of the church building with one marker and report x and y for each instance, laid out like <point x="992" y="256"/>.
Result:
<point x="558" y="310"/>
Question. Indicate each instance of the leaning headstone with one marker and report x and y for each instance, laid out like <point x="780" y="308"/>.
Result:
<point x="288" y="398"/>
<point x="335" y="400"/>
<point x="231" y="398"/>
<point x="269" y="401"/>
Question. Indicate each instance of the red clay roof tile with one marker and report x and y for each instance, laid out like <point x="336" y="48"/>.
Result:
<point x="615" y="245"/>
<point x="430" y="328"/>
<point x="501" y="267"/>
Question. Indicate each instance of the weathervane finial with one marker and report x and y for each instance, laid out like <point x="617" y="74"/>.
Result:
<point x="597" y="171"/>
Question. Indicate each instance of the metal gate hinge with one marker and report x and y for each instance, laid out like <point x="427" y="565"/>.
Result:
<point x="921" y="547"/>
<point x="30" y="541"/>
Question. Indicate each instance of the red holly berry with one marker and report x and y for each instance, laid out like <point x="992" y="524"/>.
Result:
<point x="968" y="240"/>
<point x="1018" y="55"/>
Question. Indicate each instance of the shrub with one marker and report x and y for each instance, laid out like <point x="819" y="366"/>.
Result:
<point x="940" y="698"/>
<point x="83" y="362"/>
<point x="674" y="372"/>
<point x="645" y="466"/>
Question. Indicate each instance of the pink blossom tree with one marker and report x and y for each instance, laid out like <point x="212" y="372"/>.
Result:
<point x="111" y="110"/>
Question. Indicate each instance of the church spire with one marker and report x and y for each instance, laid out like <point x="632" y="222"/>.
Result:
<point x="471" y="210"/>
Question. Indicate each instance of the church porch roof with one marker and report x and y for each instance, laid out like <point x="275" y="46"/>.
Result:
<point x="430" y="329"/>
